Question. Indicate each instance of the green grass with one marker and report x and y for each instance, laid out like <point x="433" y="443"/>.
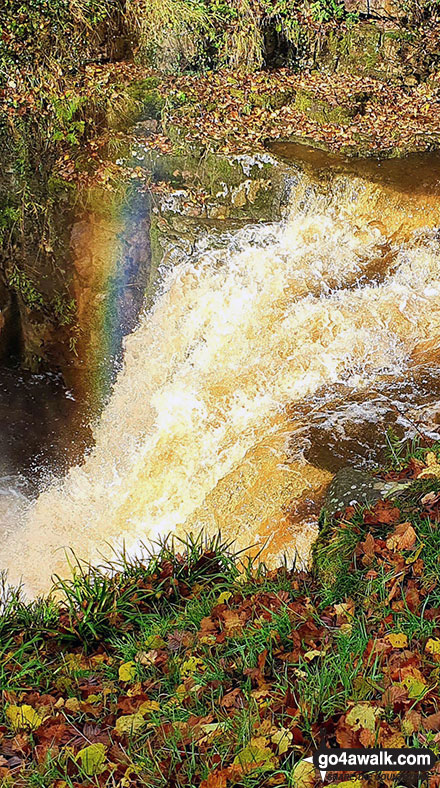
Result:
<point x="219" y="657"/>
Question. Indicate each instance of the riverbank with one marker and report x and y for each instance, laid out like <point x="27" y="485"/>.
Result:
<point x="202" y="668"/>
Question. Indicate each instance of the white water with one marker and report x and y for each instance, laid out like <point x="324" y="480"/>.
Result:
<point x="197" y="430"/>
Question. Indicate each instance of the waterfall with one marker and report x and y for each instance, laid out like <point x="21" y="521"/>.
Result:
<point x="200" y="429"/>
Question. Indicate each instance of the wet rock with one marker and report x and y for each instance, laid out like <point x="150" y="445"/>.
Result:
<point x="351" y="486"/>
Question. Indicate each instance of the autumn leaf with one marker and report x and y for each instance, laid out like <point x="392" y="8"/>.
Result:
<point x="383" y="512"/>
<point x="432" y="466"/>
<point x="127" y="671"/>
<point x="411" y="722"/>
<point x="362" y="716"/>
<point x="310" y="655"/>
<point x="93" y="759"/>
<point x="223" y="597"/>
<point x="256" y="756"/>
<point x="303" y="775"/>
<point x="433" y="647"/>
<point x="23" y="718"/>
<point x="431" y="723"/>
<point x="129" y="723"/>
<point x="148" y="707"/>
<point x="403" y="537"/>
<point x="192" y="665"/>
<point x="397" y="640"/>
<point x="73" y="705"/>
<point x="414" y="685"/>
<point x="155" y="641"/>
<point x="283" y="739"/>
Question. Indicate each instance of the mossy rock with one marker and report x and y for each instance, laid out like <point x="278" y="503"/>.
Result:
<point x="324" y="111"/>
<point x="139" y="101"/>
<point x="334" y="549"/>
<point x="275" y="99"/>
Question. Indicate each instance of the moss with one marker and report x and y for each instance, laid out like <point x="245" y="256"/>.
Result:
<point x="139" y="101"/>
<point x="322" y="111"/>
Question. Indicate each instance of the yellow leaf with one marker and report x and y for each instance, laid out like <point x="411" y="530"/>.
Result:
<point x="345" y="609"/>
<point x="23" y="718"/>
<point x="213" y="727"/>
<point x="433" y="467"/>
<point x="223" y="597"/>
<point x="362" y="716"/>
<point x="155" y="641"/>
<point x="148" y="707"/>
<point x="127" y="671"/>
<point x="192" y="665"/>
<point x="283" y="740"/>
<point x="397" y="640"/>
<point x="309" y="655"/>
<point x="129" y="723"/>
<point x="433" y="647"/>
<point x="72" y="704"/>
<point x="93" y="759"/>
<point x="303" y="775"/>
<point x="135" y="689"/>
<point x="254" y="756"/>
<point x="207" y="640"/>
<point x="181" y="692"/>
<point x="414" y="686"/>
<point x="349" y="784"/>
<point x="413" y="558"/>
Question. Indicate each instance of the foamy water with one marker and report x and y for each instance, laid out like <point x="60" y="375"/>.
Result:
<point x="196" y="433"/>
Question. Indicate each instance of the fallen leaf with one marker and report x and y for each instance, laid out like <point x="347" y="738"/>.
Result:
<point x="433" y="467"/>
<point x="283" y="739"/>
<point x="397" y="640"/>
<point x="362" y="716"/>
<point x="93" y="759"/>
<point x="148" y="707"/>
<point x="127" y="671"/>
<point x="23" y="718"/>
<point x="431" y="723"/>
<point x="192" y="665"/>
<point x="414" y="685"/>
<point x="433" y="647"/>
<point x="303" y="775"/>
<point x="223" y="597"/>
<point x="129" y="723"/>
<point x="255" y="756"/>
<point x="403" y="537"/>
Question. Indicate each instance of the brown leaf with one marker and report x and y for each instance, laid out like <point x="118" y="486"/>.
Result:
<point x="431" y="723"/>
<point x="396" y="694"/>
<point x="403" y="537"/>
<point x="383" y="513"/>
<point x="233" y="698"/>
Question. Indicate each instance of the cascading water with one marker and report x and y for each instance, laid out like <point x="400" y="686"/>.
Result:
<point x="210" y="415"/>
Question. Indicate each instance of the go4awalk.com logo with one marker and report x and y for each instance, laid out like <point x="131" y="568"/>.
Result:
<point x="372" y="760"/>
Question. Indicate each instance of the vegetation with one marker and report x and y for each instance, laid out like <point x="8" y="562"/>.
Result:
<point x="198" y="667"/>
